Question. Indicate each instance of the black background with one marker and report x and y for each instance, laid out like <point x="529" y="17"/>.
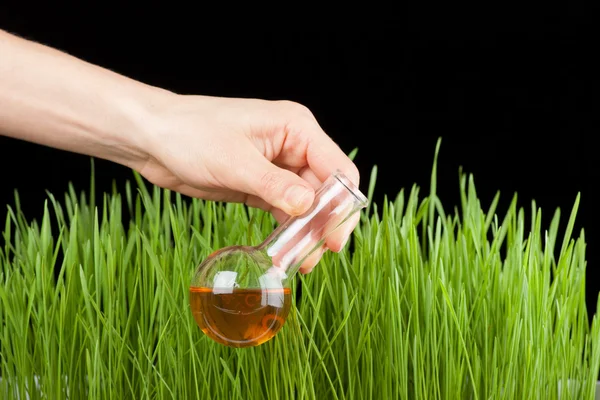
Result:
<point x="514" y="95"/>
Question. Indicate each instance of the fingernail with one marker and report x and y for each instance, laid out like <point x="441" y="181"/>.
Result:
<point x="309" y="266"/>
<point x="298" y="197"/>
<point x="347" y="235"/>
<point x="344" y="243"/>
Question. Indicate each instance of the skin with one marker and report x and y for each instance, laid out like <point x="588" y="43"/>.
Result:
<point x="266" y="154"/>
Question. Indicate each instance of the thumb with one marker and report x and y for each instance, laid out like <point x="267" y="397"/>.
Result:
<point x="279" y="187"/>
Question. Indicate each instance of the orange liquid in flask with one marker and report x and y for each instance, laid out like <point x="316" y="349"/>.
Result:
<point x="241" y="317"/>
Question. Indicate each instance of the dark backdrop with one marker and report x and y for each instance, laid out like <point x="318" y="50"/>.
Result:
<point x="515" y="98"/>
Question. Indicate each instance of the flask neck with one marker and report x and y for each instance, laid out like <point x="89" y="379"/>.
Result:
<point x="297" y="238"/>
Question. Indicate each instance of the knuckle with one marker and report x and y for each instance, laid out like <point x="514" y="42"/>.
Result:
<point x="297" y="108"/>
<point x="270" y="181"/>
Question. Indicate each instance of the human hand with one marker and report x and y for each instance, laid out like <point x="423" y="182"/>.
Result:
<point x="266" y="154"/>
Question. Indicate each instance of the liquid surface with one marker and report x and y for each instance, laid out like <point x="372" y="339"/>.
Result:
<point x="242" y="318"/>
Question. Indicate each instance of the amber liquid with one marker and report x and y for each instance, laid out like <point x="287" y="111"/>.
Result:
<point x="243" y="318"/>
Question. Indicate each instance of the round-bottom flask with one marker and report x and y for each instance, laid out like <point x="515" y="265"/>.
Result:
<point x="240" y="296"/>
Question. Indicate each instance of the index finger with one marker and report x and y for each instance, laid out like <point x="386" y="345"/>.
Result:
<point x="324" y="156"/>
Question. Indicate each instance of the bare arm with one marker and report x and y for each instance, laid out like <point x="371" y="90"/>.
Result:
<point x="267" y="154"/>
<point x="54" y="99"/>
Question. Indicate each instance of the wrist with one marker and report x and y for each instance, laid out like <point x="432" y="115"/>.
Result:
<point x="130" y="142"/>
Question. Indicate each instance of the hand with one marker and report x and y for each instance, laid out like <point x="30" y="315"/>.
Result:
<point x="266" y="154"/>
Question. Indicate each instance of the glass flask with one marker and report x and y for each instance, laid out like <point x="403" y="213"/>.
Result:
<point x="240" y="296"/>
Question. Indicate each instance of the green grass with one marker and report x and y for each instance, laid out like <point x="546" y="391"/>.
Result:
<point x="425" y="304"/>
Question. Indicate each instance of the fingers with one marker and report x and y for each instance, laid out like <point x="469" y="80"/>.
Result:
<point x="324" y="156"/>
<point x="279" y="187"/>
<point x="309" y="176"/>
<point x="257" y="202"/>
<point x="311" y="261"/>
<point x="307" y="144"/>
<point x="338" y="238"/>
<point x="336" y="243"/>
<point x="279" y="215"/>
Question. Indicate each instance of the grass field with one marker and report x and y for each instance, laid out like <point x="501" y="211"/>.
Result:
<point x="425" y="303"/>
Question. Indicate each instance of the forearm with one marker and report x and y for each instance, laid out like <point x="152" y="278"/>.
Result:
<point x="54" y="99"/>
